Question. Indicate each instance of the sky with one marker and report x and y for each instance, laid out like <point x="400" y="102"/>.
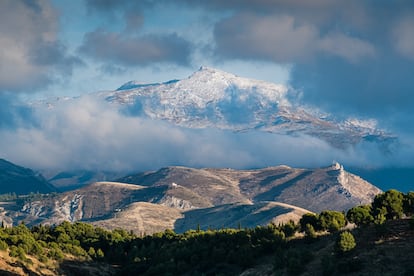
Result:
<point x="351" y="58"/>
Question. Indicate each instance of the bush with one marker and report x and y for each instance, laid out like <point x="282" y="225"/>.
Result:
<point x="360" y="215"/>
<point x="408" y="203"/>
<point x="310" y="231"/>
<point x="345" y="243"/>
<point x="332" y="221"/>
<point x="389" y="203"/>
<point x="3" y="245"/>
<point x="17" y="252"/>
<point x="310" y="219"/>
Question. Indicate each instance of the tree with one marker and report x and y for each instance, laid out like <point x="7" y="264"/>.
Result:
<point x="345" y="243"/>
<point x="408" y="203"/>
<point x="360" y="215"/>
<point x="390" y="202"/>
<point x="92" y="252"/>
<point x="332" y="220"/>
<point x="310" y="219"/>
<point x="310" y="231"/>
<point x="99" y="253"/>
<point x="289" y="228"/>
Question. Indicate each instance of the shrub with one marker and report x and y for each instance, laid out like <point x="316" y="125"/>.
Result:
<point x="310" y="219"/>
<point x="92" y="252"/>
<point x="17" y="252"/>
<point x="310" y="231"/>
<point x="345" y="243"/>
<point x="99" y="253"/>
<point x="389" y="203"/>
<point x="332" y="221"/>
<point x="3" y="245"/>
<point x="360" y="215"/>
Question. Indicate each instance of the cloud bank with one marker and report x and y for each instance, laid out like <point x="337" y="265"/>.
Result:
<point x="87" y="133"/>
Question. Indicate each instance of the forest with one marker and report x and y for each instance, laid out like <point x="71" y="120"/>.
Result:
<point x="286" y="249"/>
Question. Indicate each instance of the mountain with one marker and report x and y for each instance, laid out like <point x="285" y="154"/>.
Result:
<point x="70" y="180"/>
<point x="314" y="189"/>
<point x="186" y="198"/>
<point x="20" y="180"/>
<point x="217" y="99"/>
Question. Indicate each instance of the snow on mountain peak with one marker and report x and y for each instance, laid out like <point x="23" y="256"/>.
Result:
<point x="214" y="98"/>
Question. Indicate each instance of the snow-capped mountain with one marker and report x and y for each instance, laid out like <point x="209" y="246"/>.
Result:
<point x="211" y="98"/>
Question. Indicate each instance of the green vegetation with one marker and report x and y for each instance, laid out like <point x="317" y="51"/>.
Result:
<point x="346" y="242"/>
<point x="8" y="197"/>
<point x="331" y="221"/>
<point x="389" y="204"/>
<point x="360" y="215"/>
<point x="327" y="248"/>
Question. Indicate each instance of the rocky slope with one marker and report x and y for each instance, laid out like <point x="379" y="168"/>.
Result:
<point x="314" y="189"/>
<point x="185" y="198"/>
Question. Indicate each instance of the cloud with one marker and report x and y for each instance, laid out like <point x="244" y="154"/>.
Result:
<point x="275" y="38"/>
<point x="32" y="55"/>
<point x="284" y="39"/>
<point x="136" y="51"/>
<point x="403" y="35"/>
<point x="381" y="89"/>
<point x="89" y="133"/>
<point x="348" y="48"/>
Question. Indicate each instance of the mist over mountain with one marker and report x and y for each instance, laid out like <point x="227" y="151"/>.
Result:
<point x="217" y="99"/>
<point x="211" y="119"/>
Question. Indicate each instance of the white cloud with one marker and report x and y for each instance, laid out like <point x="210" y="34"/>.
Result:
<point x="91" y="134"/>
<point x="403" y="36"/>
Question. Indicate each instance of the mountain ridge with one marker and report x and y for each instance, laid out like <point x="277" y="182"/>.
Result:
<point x="214" y="98"/>
<point x="181" y="198"/>
<point x="21" y="180"/>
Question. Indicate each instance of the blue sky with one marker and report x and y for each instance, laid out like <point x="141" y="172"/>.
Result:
<point x="350" y="58"/>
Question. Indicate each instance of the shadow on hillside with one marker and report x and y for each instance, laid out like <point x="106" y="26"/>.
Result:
<point x="229" y="216"/>
<point x="277" y="190"/>
<point x="77" y="268"/>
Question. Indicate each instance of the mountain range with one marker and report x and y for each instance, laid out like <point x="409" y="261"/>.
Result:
<point x="217" y="99"/>
<point x="211" y="98"/>
<point x="183" y="198"/>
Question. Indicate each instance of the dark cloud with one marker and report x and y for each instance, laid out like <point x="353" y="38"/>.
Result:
<point x="32" y="55"/>
<point x="347" y="57"/>
<point x="381" y="89"/>
<point x="136" y="51"/>
<point x="284" y="38"/>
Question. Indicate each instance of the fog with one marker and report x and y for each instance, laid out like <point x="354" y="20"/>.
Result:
<point x="89" y="133"/>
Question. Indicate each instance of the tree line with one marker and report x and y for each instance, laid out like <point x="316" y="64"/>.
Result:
<point x="221" y="251"/>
